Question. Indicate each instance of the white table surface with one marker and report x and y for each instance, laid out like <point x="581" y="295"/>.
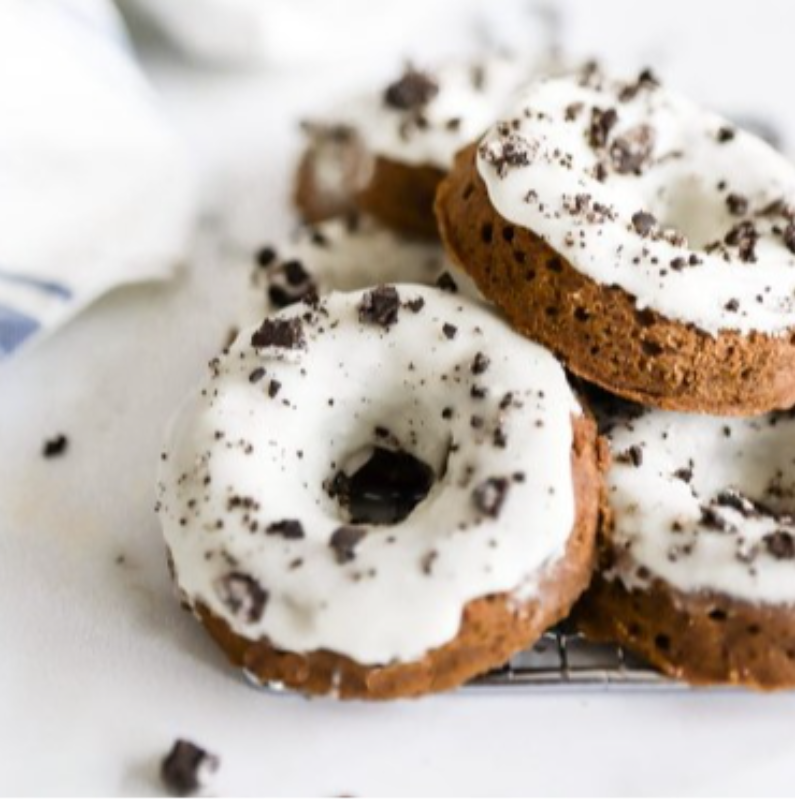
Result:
<point x="100" y="669"/>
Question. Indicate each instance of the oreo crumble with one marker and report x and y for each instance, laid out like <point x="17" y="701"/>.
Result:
<point x="55" y="447"/>
<point x="243" y="596"/>
<point x="344" y="542"/>
<point x="188" y="768"/>
<point x="780" y="545"/>
<point x="510" y="152"/>
<point x="380" y="307"/>
<point x="631" y="151"/>
<point x="282" y="333"/>
<point x="288" y="283"/>
<point x="446" y="283"/>
<point x="287" y="528"/>
<point x="414" y="90"/>
<point x="490" y="496"/>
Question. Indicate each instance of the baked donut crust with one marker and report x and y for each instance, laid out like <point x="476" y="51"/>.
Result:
<point x="492" y="629"/>
<point x="402" y="196"/>
<point x="597" y="330"/>
<point x="702" y="639"/>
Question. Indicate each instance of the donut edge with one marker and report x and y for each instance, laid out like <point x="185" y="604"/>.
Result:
<point x="596" y="330"/>
<point x="700" y="638"/>
<point x="492" y="630"/>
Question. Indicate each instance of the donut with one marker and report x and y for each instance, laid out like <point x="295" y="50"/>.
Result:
<point x="380" y="494"/>
<point x="645" y="241"/>
<point x="407" y="135"/>
<point x="696" y="567"/>
<point x="343" y="254"/>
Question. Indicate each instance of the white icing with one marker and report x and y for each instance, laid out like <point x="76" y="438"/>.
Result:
<point x="233" y="439"/>
<point x="343" y="257"/>
<point x="679" y="186"/>
<point x="473" y="92"/>
<point x="752" y="456"/>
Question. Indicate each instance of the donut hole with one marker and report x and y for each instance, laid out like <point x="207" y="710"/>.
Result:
<point x="694" y="208"/>
<point x="381" y="486"/>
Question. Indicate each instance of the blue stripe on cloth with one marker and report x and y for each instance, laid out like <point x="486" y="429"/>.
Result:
<point x="45" y="287"/>
<point x="15" y="328"/>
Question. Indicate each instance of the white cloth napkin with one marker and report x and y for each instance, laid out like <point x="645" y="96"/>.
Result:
<point x="248" y="32"/>
<point x="93" y="190"/>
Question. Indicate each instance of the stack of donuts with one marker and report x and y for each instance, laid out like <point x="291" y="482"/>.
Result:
<point x="530" y="358"/>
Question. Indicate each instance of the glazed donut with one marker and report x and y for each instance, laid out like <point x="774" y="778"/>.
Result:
<point x="647" y="242"/>
<point x="697" y="550"/>
<point x="407" y="136"/>
<point x="489" y="474"/>
<point x="343" y="255"/>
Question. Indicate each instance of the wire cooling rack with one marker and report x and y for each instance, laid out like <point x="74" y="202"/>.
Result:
<point x="564" y="659"/>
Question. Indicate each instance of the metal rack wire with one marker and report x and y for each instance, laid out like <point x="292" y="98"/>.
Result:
<point x="563" y="658"/>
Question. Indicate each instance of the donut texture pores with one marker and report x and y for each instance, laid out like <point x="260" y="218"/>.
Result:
<point x="698" y="570"/>
<point x="644" y="240"/>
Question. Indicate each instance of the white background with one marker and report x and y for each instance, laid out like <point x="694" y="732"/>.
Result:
<point x="99" y="668"/>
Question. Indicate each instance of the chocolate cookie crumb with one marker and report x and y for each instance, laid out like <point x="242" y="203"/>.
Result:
<point x="265" y="256"/>
<point x="744" y="237"/>
<point x="646" y="80"/>
<point x="187" y="768"/>
<point x="413" y="91"/>
<point x="489" y="496"/>
<point x="780" y="545"/>
<point x="380" y="306"/>
<point x="513" y="151"/>
<point x="633" y="455"/>
<point x="283" y="333"/>
<point x="287" y="528"/>
<point x="446" y="283"/>
<point x="737" y="204"/>
<point x="243" y="595"/>
<point x="428" y="561"/>
<point x="632" y="150"/>
<point x="290" y="282"/>
<point x="344" y="541"/>
<point x="480" y="364"/>
<point x="256" y="375"/>
<point x="726" y="134"/>
<point x="450" y="331"/>
<point x="710" y="518"/>
<point x="643" y="223"/>
<point x="572" y="111"/>
<point x="55" y="447"/>
<point x="600" y="125"/>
